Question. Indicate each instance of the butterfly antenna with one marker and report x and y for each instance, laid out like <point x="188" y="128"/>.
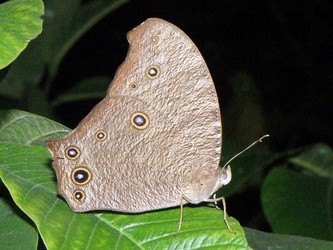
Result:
<point x="241" y="152"/>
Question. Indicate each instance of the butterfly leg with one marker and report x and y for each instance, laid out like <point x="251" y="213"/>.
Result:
<point x="180" y="215"/>
<point x="225" y="215"/>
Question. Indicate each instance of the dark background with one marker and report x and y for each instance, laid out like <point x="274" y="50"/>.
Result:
<point x="284" y="48"/>
<point x="273" y="56"/>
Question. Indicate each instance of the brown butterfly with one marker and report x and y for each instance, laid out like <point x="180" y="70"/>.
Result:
<point x="155" y="140"/>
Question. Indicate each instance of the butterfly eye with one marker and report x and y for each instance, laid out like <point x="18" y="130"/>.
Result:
<point x="81" y="176"/>
<point x="72" y="153"/>
<point x="100" y="135"/>
<point x="153" y="72"/>
<point x="139" y="120"/>
<point x="79" y="196"/>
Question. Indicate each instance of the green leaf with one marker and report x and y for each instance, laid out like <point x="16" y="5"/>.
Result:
<point x="3" y="73"/>
<point x="262" y="241"/>
<point x="26" y="172"/>
<point x="20" y="22"/>
<point x="299" y="203"/>
<point x="66" y="21"/>
<point x="24" y="73"/>
<point x="16" y="231"/>
<point x="36" y="101"/>
<point x="318" y="159"/>
<point x="22" y="127"/>
<point x="91" y="88"/>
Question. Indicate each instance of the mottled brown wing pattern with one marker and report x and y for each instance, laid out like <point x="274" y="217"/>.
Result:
<point x="154" y="139"/>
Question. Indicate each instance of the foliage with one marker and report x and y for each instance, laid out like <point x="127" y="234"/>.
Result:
<point x="25" y="170"/>
<point x="15" y="34"/>
<point x="307" y="181"/>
